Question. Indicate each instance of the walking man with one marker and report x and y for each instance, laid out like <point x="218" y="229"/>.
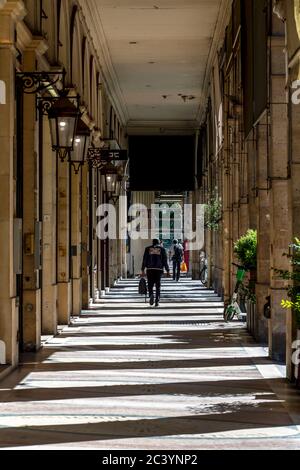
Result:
<point x="155" y="261"/>
<point x="177" y="258"/>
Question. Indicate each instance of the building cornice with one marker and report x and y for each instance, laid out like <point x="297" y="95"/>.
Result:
<point x="91" y="17"/>
<point x="219" y="35"/>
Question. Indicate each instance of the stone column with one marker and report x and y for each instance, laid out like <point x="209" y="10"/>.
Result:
<point x="195" y="254"/>
<point x="9" y="15"/>
<point x="49" y="290"/>
<point x="76" y="243"/>
<point x="31" y="209"/>
<point x="100" y="261"/>
<point x="263" y="231"/>
<point x="113" y="246"/>
<point x="227" y="234"/>
<point x="294" y="204"/>
<point x="118" y="244"/>
<point x="93" y="224"/>
<point x="123" y="225"/>
<point x="85" y="237"/>
<point x="63" y="275"/>
<point x="281" y="216"/>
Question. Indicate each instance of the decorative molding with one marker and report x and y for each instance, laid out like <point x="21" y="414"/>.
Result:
<point x="24" y="36"/>
<point x="26" y="41"/>
<point x="89" y="14"/>
<point x="16" y="9"/>
<point x="219" y="34"/>
<point x="38" y="45"/>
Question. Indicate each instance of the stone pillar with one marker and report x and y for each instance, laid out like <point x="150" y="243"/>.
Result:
<point x="114" y="247"/>
<point x="227" y="235"/>
<point x="31" y="208"/>
<point x="76" y="243"/>
<point x="85" y="237"/>
<point x="118" y="245"/>
<point x="123" y="226"/>
<point x="100" y="255"/>
<point x="251" y="146"/>
<point x="263" y="231"/>
<point x="195" y="254"/>
<point x="9" y="15"/>
<point x="49" y="290"/>
<point x="295" y="208"/>
<point x="63" y="267"/>
<point x="94" y="201"/>
<point x="281" y="216"/>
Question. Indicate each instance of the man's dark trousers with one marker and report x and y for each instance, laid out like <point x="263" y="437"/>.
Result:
<point x="176" y="269"/>
<point x="154" y="278"/>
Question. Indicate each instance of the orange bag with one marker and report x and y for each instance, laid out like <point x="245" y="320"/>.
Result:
<point x="183" y="267"/>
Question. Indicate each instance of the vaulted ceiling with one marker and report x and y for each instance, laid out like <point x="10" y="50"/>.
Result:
<point x="157" y="54"/>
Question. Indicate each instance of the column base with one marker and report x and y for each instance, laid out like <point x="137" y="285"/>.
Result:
<point x="77" y="299"/>
<point x="9" y="326"/>
<point x="277" y="327"/>
<point x="261" y="323"/>
<point x="32" y="327"/>
<point x="64" y="303"/>
<point x="49" y="316"/>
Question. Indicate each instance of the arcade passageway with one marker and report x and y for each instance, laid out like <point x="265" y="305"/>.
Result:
<point x="166" y="120"/>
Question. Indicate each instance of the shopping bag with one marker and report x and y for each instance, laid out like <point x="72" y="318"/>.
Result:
<point x="143" y="288"/>
<point x="183" y="267"/>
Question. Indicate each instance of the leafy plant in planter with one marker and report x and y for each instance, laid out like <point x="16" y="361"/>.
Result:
<point x="213" y="212"/>
<point x="245" y="249"/>
<point x="293" y="291"/>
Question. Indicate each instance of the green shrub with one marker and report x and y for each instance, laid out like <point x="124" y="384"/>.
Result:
<point x="245" y="249"/>
<point x="293" y="290"/>
<point x="213" y="213"/>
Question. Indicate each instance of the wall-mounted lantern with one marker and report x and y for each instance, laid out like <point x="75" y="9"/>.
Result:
<point x="78" y="155"/>
<point x="63" y="116"/>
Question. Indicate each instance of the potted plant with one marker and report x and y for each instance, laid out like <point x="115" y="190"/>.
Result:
<point x="245" y="249"/>
<point x="293" y="291"/>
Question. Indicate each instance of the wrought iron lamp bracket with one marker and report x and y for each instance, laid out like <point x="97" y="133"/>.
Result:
<point x="45" y="103"/>
<point x="36" y="82"/>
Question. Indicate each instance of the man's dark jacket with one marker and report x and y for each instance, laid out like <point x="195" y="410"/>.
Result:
<point x="155" y="257"/>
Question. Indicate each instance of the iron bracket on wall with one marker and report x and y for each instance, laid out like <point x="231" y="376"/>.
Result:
<point x="36" y="82"/>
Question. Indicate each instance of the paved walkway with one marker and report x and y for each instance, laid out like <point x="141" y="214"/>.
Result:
<point x="127" y="376"/>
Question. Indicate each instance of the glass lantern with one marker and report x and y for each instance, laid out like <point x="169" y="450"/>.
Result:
<point x="63" y="117"/>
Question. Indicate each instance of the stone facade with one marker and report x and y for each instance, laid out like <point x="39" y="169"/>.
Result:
<point x="255" y="176"/>
<point x="58" y="245"/>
